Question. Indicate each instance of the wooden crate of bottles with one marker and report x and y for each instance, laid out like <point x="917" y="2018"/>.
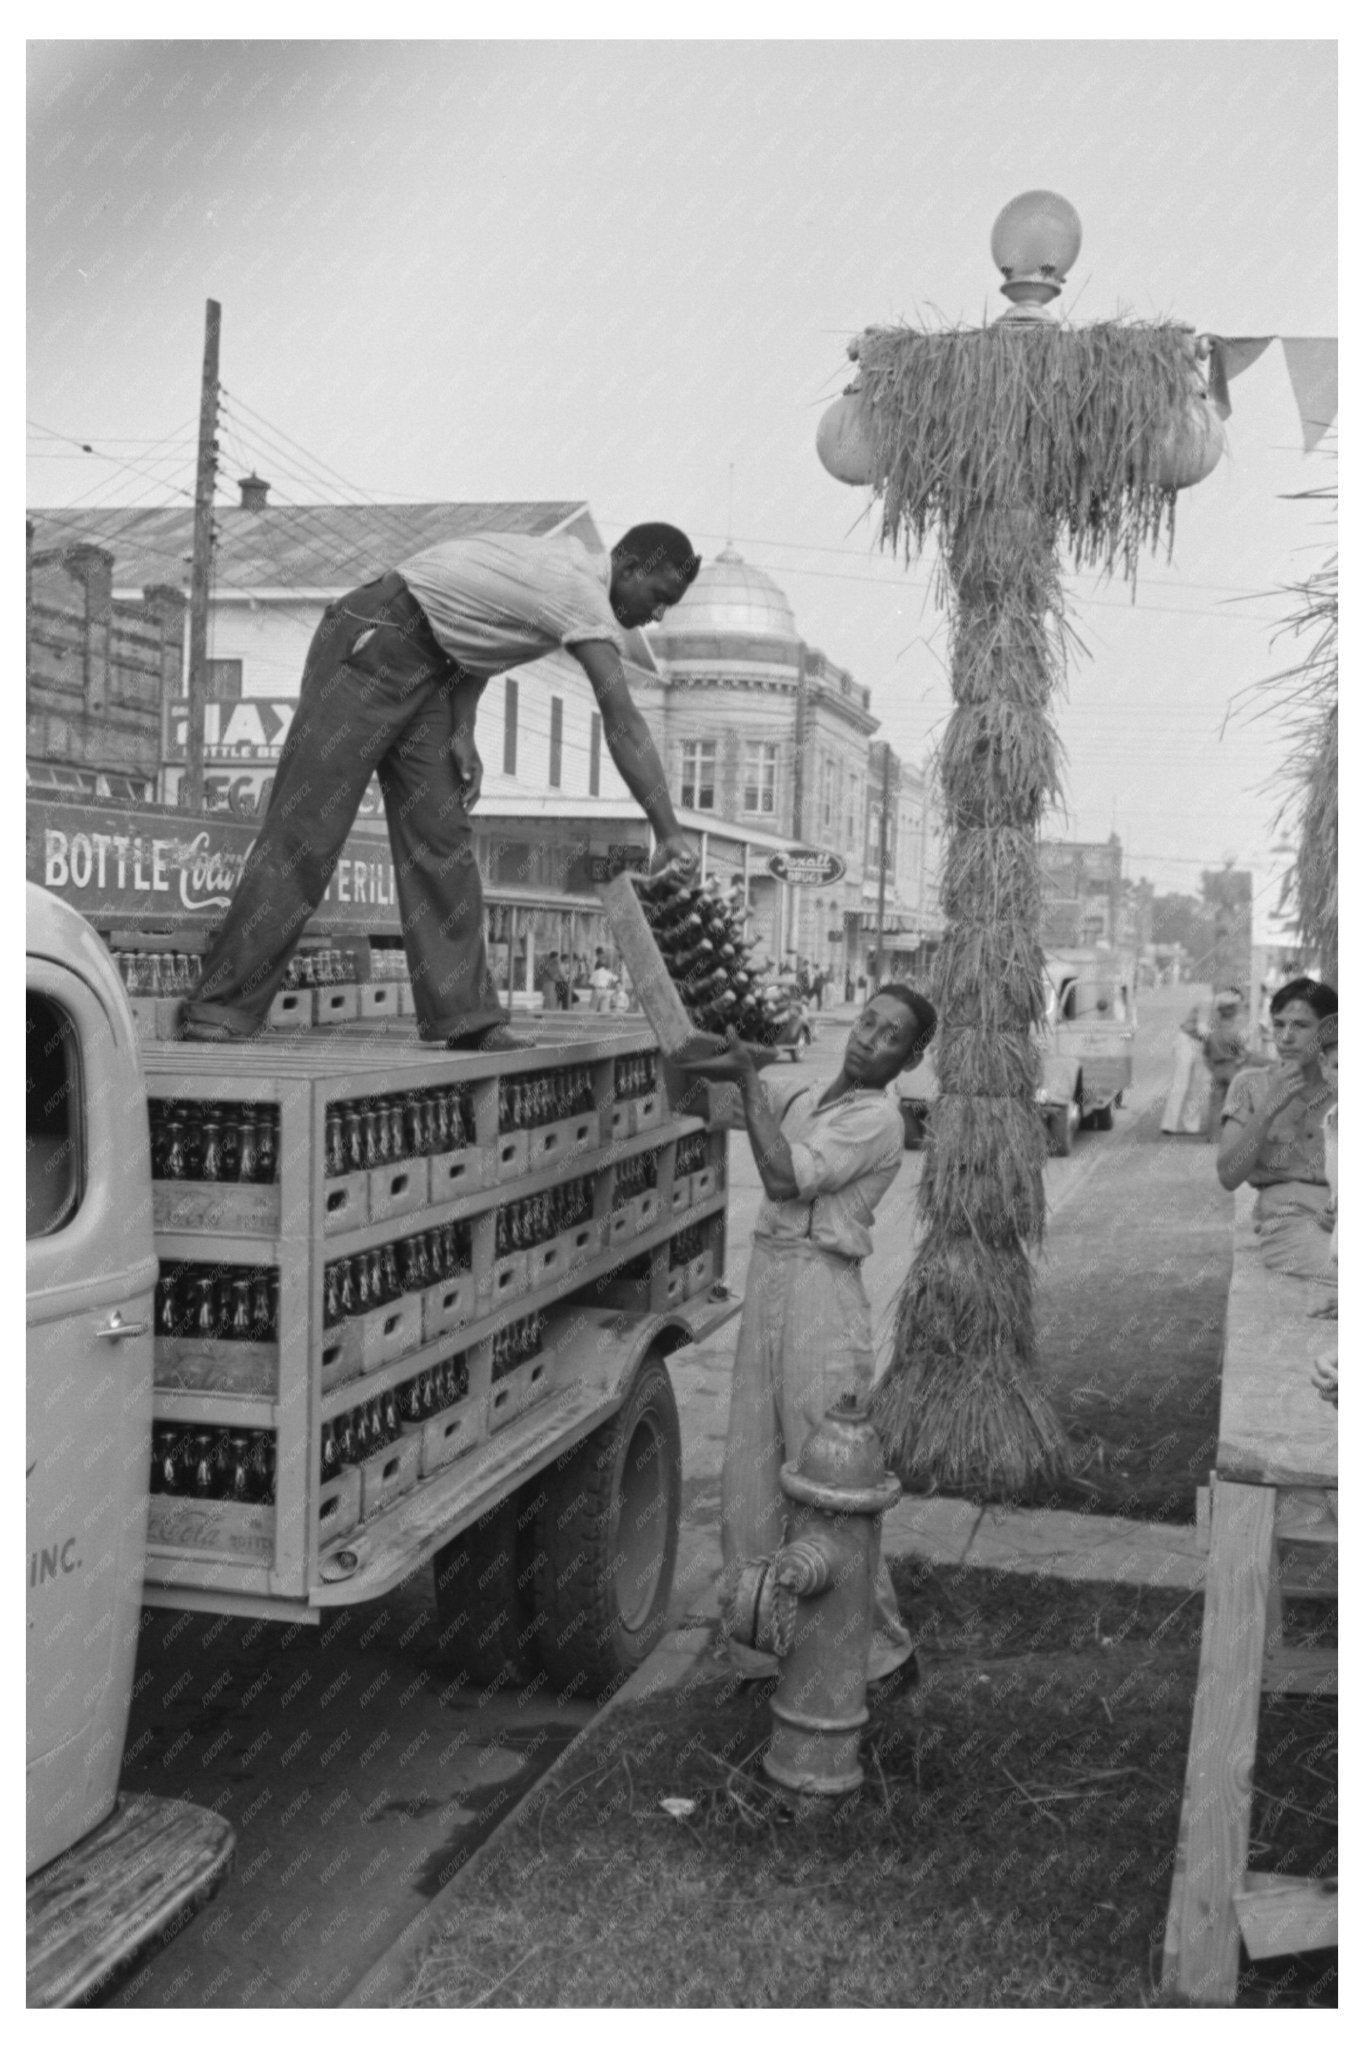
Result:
<point x="691" y="962"/>
<point x="358" y="1246"/>
<point x="323" y="984"/>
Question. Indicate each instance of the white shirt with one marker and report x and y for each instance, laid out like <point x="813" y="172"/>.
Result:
<point x="497" y="599"/>
<point x="844" y="1157"/>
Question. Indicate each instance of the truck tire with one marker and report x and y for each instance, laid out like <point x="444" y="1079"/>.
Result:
<point x="1102" y="1119"/>
<point x="485" y="1608"/>
<point x="606" y="1541"/>
<point x="1060" y="1131"/>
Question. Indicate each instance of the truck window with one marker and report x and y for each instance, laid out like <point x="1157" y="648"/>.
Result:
<point x="52" y="1122"/>
<point x="1069" y="991"/>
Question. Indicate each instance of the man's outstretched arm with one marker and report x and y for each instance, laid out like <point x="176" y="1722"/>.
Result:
<point x="630" y="746"/>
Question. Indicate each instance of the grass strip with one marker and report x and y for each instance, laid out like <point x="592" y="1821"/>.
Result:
<point x="1012" y="1844"/>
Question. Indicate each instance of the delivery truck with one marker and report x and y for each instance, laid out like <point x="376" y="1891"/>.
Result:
<point x="309" y="1313"/>
<point x="1084" y="1050"/>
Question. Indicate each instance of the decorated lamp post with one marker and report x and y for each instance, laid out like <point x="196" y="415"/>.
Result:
<point x="1013" y="446"/>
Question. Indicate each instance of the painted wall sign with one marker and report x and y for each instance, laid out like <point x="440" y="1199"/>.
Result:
<point x="804" y="870"/>
<point x="245" y="791"/>
<point x="251" y="729"/>
<point x="118" y="865"/>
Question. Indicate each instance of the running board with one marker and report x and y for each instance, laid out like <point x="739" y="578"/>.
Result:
<point x="93" y="1908"/>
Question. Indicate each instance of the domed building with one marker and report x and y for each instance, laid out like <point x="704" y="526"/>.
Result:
<point x="758" y="729"/>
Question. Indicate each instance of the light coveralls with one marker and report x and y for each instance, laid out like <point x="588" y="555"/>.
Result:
<point x="805" y="1334"/>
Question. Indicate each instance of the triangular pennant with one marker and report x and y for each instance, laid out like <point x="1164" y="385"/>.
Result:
<point x="1230" y="354"/>
<point x="1312" y="371"/>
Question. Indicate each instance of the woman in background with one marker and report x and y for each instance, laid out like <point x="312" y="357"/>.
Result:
<point x="1272" y="1135"/>
<point x="1186" y="1105"/>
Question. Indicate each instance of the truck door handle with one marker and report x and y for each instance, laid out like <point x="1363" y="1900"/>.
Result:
<point x="116" y="1329"/>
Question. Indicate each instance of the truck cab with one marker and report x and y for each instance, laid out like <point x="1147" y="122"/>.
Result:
<point x="90" y="1272"/>
<point x="1086" y="1041"/>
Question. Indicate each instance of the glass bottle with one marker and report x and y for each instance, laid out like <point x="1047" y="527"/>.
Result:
<point x="335" y="1142"/>
<point x="206" y="1483"/>
<point x="241" y="1321"/>
<point x="204" y="1313"/>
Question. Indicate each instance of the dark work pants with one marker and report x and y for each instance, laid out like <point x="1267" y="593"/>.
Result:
<point x="375" y="696"/>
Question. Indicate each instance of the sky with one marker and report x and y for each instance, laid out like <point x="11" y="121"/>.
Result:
<point x="627" y="272"/>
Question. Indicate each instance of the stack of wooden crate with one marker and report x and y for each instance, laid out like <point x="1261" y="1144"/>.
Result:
<point x="312" y="1372"/>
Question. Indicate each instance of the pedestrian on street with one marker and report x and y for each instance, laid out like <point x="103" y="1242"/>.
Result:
<point x="805" y="1338"/>
<point x="548" y="982"/>
<point x="391" y="686"/>
<point x="603" y="982"/>
<point x="1226" y="1050"/>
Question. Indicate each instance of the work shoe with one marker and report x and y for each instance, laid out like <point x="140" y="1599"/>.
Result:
<point x="489" y="1038"/>
<point x="195" y="1031"/>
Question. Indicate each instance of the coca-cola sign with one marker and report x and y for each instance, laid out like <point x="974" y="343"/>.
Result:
<point x="118" y="864"/>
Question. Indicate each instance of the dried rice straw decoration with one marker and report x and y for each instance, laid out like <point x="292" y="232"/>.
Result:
<point x="1006" y="446"/>
<point x="1307" y="698"/>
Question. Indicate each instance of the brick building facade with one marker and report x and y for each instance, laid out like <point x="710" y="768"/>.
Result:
<point x="98" y="671"/>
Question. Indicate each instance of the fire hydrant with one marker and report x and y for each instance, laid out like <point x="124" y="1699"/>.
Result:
<point x="811" y="1604"/>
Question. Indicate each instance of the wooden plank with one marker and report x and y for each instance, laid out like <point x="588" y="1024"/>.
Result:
<point x="1311" y="1672"/>
<point x="1201" y="1934"/>
<point x="649" y="976"/>
<point x="96" y="1906"/>
<point x="1286" y="1916"/>
<point x="1273" y="1427"/>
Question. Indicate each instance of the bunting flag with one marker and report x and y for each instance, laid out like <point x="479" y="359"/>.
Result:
<point x="1312" y="372"/>
<point x="1311" y="361"/>
<point x="1230" y="355"/>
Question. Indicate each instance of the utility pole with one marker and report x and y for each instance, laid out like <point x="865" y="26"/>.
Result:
<point x="192" y="785"/>
<point x="881" y="877"/>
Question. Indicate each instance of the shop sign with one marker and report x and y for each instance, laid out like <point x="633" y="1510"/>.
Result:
<point x="807" y="870"/>
<point x="245" y="791"/>
<point x="251" y="729"/>
<point x="121" y="865"/>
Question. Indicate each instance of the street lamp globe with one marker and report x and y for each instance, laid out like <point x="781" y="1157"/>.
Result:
<point x="1035" y="241"/>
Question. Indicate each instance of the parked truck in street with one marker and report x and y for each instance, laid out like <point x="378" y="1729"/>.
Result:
<point x="312" y="1312"/>
<point x="1084" y="1047"/>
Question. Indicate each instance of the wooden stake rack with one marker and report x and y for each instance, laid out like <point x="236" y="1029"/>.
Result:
<point x="640" y="1253"/>
<point x="1271" y="1524"/>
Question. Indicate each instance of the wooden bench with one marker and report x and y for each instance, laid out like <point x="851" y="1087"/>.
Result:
<point x="1271" y="1503"/>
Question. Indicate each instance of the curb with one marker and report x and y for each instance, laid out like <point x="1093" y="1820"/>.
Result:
<point x="662" y="1670"/>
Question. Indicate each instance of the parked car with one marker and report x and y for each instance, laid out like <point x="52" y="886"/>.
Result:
<point x="799" y="1034"/>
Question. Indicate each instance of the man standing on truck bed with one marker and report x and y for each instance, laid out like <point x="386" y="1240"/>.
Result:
<point x="825" y="1162"/>
<point x="391" y="686"/>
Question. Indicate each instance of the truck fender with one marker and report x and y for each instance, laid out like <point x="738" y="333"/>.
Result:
<point x="1061" y="1079"/>
<point x="606" y="1345"/>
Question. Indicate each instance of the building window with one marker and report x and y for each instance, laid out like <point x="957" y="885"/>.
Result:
<point x="223" y="682"/>
<point x="698" y="775"/>
<point x="509" y="728"/>
<point x="594" y="756"/>
<point x="556" y="742"/>
<point x="826" y="774"/>
<point x="760" y="777"/>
